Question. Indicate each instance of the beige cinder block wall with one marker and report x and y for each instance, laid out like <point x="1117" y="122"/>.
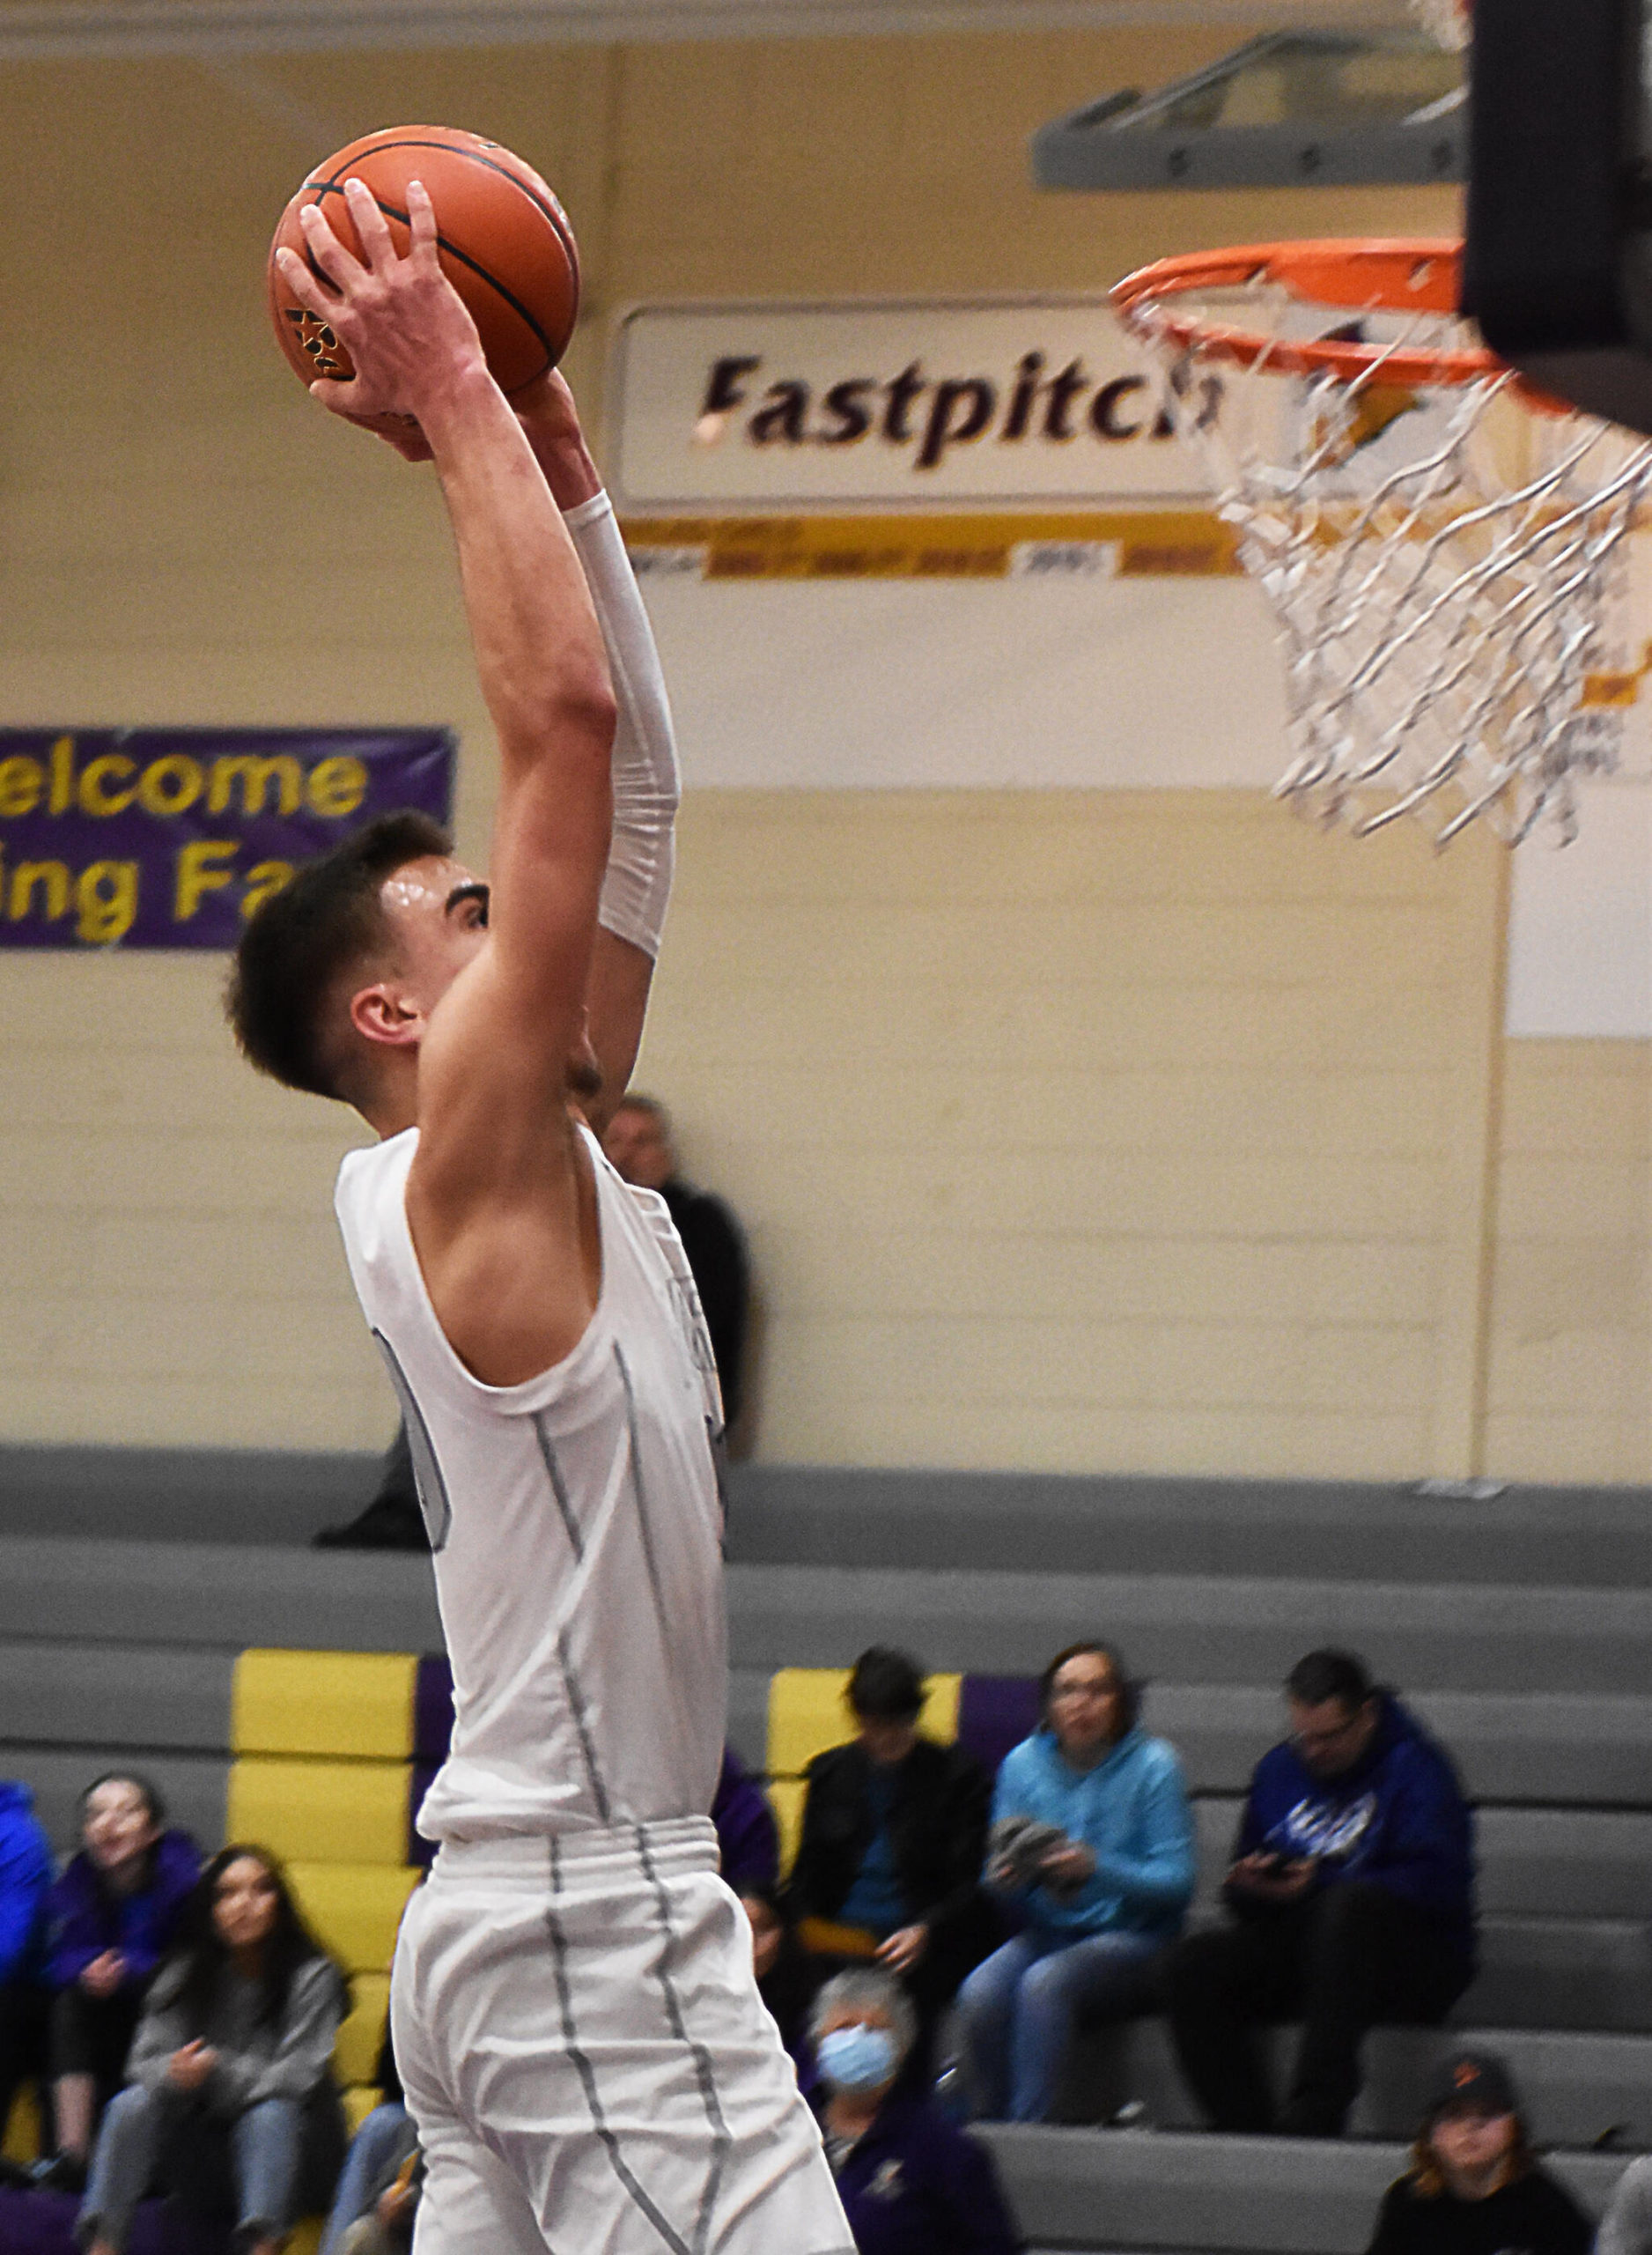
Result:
<point x="1139" y="1131"/>
<point x="1570" y="1348"/>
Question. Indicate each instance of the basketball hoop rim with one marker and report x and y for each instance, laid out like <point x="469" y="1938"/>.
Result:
<point x="1374" y="275"/>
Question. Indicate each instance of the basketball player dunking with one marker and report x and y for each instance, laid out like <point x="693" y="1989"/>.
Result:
<point x="574" y="2011"/>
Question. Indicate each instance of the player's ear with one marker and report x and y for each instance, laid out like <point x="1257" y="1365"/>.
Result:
<point x="383" y="1015"/>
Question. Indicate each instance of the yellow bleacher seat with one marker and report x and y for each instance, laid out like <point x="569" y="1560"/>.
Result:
<point x="360" y="2099"/>
<point x="354" y="1910"/>
<point x="807" y="1714"/>
<point x="356" y="2053"/>
<point x="785" y="1798"/>
<point x="350" y="1704"/>
<point x="321" y="1812"/>
<point x="305" y="2238"/>
<point x="23" y="2129"/>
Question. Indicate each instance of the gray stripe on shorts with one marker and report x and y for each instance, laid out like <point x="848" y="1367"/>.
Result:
<point x="586" y="2073"/>
<point x="576" y="1708"/>
<point x="558" y="1487"/>
<point x="722" y="2138"/>
<point x="637" y="1487"/>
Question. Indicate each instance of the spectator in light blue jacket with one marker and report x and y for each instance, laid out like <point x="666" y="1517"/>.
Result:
<point x="1092" y="1843"/>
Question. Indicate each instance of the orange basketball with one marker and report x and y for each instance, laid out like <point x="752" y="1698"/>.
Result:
<point x="505" y="244"/>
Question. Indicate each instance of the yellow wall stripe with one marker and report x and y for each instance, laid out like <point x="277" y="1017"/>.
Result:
<point x="961" y="545"/>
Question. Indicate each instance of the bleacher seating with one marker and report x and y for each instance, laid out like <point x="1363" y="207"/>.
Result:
<point x="1517" y="1627"/>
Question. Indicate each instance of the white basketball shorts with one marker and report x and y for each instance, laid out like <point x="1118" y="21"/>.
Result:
<point x="578" y="2031"/>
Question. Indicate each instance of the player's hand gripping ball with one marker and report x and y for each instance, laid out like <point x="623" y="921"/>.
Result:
<point x="503" y="239"/>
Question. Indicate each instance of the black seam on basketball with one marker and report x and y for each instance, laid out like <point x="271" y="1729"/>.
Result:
<point x="321" y="190"/>
<point x="475" y="156"/>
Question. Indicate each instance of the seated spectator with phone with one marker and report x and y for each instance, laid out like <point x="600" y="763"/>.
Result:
<point x="1350" y="1902"/>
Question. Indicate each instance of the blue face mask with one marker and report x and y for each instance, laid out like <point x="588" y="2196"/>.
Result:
<point x="858" y="2058"/>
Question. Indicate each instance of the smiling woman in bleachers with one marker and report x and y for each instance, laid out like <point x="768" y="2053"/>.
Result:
<point x="112" y="1916"/>
<point x="232" y="2103"/>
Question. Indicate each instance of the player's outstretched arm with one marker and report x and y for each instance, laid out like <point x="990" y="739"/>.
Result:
<point x="496" y="1153"/>
<point x="636" y="885"/>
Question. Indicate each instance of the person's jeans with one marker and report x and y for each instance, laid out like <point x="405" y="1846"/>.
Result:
<point x="1349" y="1958"/>
<point x="377" y="2150"/>
<point x="1018" y="2012"/>
<point x="147" y="2133"/>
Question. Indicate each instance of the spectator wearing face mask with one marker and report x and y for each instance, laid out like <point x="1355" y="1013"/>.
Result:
<point x="111" y="1917"/>
<point x="911" y="2181"/>
<point x="1473" y="2187"/>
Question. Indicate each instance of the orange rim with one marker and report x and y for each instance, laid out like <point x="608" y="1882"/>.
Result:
<point x="1356" y="277"/>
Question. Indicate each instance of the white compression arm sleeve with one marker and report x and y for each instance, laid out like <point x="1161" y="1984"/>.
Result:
<point x="647" y="786"/>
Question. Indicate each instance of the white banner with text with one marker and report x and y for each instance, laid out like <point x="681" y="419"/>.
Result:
<point x="866" y="404"/>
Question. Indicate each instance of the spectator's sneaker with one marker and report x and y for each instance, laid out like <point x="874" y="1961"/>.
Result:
<point x="62" y="2173"/>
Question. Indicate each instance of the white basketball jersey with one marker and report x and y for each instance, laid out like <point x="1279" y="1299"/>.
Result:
<point x="575" y="1522"/>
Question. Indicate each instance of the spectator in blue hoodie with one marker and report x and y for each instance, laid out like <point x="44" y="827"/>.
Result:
<point x="25" y="1874"/>
<point x="112" y="1918"/>
<point x="1351" y="1896"/>
<point x="1092" y="1842"/>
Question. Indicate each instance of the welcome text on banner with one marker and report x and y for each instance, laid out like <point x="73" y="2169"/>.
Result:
<point x="170" y="838"/>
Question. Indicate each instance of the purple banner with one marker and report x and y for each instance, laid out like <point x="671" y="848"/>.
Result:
<point x="170" y="838"/>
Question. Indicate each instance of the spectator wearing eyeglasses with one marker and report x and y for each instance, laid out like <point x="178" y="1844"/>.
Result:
<point x="1350" y="1902"/>
<point x="1092" y="1844"/>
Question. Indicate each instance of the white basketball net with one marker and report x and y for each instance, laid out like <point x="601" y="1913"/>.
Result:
<point x="1446" y="565"/>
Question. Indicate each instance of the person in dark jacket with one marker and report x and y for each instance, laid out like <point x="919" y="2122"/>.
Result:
<point x="1473" y="2187"/>
<point x="111" y="1917"/>
<point x="893" y="1836"/>
<point x="911" y="2181"/>
<point x="748" y="1839"/>
<point x="231" y="2102"/>
<point x="1351" y="1896"/>
<point x="639" y="1145"/>
<point x="25" y="1876"/>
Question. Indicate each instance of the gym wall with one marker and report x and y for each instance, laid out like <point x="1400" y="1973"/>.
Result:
<point x="1135" y="1128"/>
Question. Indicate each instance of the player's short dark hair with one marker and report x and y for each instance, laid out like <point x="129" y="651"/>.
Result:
<point x="1329" y="1675"/>
<point x="299" y="941"/>
<point x="885" y="1686"/>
